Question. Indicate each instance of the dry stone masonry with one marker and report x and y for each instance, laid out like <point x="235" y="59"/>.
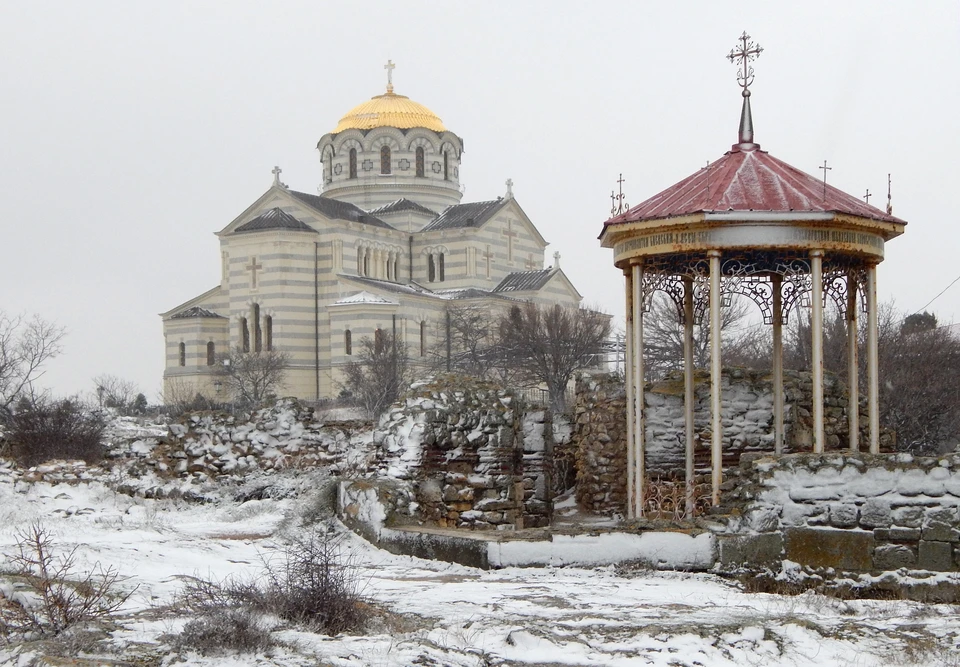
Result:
<point x="476" y="458"/>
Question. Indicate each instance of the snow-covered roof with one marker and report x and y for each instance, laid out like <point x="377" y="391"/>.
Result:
<point x="364" y="297"/>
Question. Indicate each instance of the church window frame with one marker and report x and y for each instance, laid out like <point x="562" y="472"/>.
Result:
<point x="421" y="162"/>
<point x="385" y="164"/>
<point x="440" y="266"/>
<point x="348" y="342"/>
<point x="378" y="341"/>
<point x="423" y="338"/>
<point x="211" y="353"/>
<point x="257" y="329"/>
<point x="446" y="166"/>
<point x="268" y="333"/>
<point x="431" y="268"/>
<point x="244" y="335"/>
<point x="353" y="163"/>
<point x="182" y="350"/>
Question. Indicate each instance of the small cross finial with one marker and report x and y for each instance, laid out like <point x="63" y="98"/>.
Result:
<point x="867" y="195"/>
<point x="889" y="200"/>
<point x="825" y="170"/>
<point x="556" y="259"/>
<point x="619" y="201"/>
<point x="389" y="67"/>
<point x="276" y="175"/>
<point x="509" y="184"/>
<point x="742" y="55"/>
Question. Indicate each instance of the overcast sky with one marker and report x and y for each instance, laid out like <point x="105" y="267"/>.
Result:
<point x="131" y="131"/>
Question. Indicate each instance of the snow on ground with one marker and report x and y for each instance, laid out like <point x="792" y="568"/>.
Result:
<point x="455" y="615"/>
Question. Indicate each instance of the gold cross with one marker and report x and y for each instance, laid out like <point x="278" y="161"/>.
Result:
<point x="743" y="55"/>
<point x="389" y="67"/>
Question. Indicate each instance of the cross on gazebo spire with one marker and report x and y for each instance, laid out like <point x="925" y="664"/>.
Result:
<point x="867" y="195"/>
<point x="389" y="67"/>
<point x="742" y="55"/>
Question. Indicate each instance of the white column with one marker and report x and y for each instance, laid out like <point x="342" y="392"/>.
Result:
<point x="853" y="381"/>
<point x="638" y="397"/>
<point x="628" y="381"/>
<point x="873" y="376"/>
<point x="816" y="335"/>
<point x="716" y="422"/>
<point x="688" y="392"/>
<point x="777" y="281"/>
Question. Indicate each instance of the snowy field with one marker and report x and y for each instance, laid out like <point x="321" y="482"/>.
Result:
<point x="455" y="615"/>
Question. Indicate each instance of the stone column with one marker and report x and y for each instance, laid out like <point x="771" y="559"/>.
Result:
<point x="873" y="374"/>
<point x="853" y="381"/>
<point x="777" y="369"/>
<point x="629" y="384"/>
<point x="816" y="335"/>
<point x="689" y="396"/>
<point x="716" y="420"/>
<point x="639" y="424"/>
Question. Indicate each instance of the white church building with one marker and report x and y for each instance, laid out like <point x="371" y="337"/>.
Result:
<point x="387" y="245"/>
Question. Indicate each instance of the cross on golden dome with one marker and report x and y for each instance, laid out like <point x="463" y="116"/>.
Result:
<point x="389" y="67"/>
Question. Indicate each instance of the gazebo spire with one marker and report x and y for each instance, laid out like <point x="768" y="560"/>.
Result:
<point x="742" y="55"/>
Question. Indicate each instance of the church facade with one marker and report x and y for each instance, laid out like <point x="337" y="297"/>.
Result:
<point x="387" y="246"/>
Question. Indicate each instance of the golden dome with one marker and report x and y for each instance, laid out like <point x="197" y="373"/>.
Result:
<point x="389" y="110"/>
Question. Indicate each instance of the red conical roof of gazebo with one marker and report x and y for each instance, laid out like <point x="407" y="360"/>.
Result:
<point x="749" y="179"/>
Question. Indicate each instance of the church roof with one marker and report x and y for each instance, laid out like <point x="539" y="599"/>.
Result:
<point x="402" y="204"/>
<point x="749" y="179"/>
<point x="274" y="219"/>
<point x="470" y="293"/>
<point x="364" y="297"/>
<point x="195" y="311"/>
<point x="399" y="288"/>
<point x="473" y="214"/>
<point x="389" y="110"/>
<point x="522" y="281"/>
<point x="338" y="210"/>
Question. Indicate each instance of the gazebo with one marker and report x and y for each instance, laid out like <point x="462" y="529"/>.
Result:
<point x="748" y="224"/>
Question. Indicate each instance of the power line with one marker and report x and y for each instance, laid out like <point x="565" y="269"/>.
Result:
<point x="937" y="296"/>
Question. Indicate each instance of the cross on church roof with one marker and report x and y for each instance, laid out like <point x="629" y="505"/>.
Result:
<point x="825" y="170"/>
<point x="509" y="188"/>
<point x="389" y="67"/>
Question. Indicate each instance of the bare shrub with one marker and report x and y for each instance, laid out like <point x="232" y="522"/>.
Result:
<point x="26" y="344"/>
<point x="381" y="371"/>
<point x="312" y="583"/>
<point x="225" y="630"/>
<point x="253" y="377"/>
<point x="52" y="595"/>
<point x="40" y="429"/>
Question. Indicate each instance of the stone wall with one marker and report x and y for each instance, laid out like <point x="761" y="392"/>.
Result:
<point x="475" y="456"/>
<point x="850" y="512"/>
<point x="746" y="411"/>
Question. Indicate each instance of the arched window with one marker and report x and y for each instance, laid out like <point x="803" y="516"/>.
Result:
<point x="384" y="159"/>
<point x="446" y="167"/>
<point x="420" y="161"/>
<point x="378" y="341"/>
<point x="440" y="261"/>
<point x="183" y="354"/>
<point x="328" y="169"/>
<point x="431" y="268"/>
<point x="257" y="331"/>
<point x="211" y="353"/>
<point x="423" y="338"/>
<point x="244" y="335"/>
<point x="348" y="342"/>
<point x="353" y="163"/>
<point x="268" y="331"/>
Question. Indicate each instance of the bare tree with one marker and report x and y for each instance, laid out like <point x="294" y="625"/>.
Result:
<point x="253" y="377"/>
<point x="115" y="392"/>
<point x="919" y="387"/>
<point x="466" y="341"/>
<point x="550" y="344"/>
<point x="26" y="344"/>
<point x="381" y="371"/>
<point x="742" y="343"/>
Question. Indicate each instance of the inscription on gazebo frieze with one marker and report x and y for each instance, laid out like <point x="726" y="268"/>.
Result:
<point x="750" y="236"/>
